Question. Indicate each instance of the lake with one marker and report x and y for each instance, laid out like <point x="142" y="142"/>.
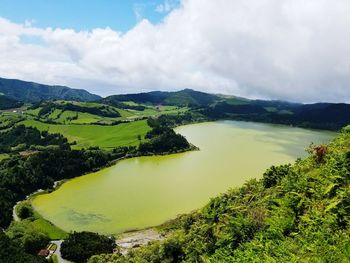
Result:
<point x="146" y="191"/>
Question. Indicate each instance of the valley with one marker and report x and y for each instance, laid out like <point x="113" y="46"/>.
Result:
<point x="134" y="161"/>
<point x="147" y="191"/>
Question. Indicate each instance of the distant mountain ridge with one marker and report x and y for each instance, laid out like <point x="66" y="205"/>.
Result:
<point x="330" y="116"/>
<point x="33" y="92"/>
<point x="186" y="97"/>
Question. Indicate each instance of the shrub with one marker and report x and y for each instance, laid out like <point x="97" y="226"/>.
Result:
<point x="274" y="174"/>
<point x="80" y="246"/>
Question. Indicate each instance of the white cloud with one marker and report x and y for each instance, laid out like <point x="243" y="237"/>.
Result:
<point x="290" y="49"/>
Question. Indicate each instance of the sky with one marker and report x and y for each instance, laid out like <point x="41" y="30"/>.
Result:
<point x="292" y="50"/>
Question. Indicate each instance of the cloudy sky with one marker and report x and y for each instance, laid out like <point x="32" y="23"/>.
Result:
<point x="277" y="49"/>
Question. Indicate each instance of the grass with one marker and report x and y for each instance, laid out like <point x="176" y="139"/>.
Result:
<point x="8" y="118"/>
<point x="40" y="224"/>
<point x="3" y="156"/>
<point x="125" y="134"/>
<point x="54" y="114"/>
<point x="54" y="259"/>
<point x="65" y="115"/>
<point x="34" y="112"/>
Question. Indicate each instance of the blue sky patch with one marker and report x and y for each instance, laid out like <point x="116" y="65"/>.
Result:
<point x="120" y="15"/>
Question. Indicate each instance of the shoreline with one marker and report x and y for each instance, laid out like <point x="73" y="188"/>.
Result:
<point x="58" y="184"/>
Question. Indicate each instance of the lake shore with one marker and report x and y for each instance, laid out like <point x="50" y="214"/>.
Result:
<point x="170" y="178"/>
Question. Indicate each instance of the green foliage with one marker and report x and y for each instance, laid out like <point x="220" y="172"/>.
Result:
<point x="80" y="246"/>
<point x="24" y="236"/>
<point x="34" y="92"/>
<point x="10" y="252"/>
<point x="166" y="142"/>
<point x="9" y="119"/>
<point x="162" y="137"/>
<point x="8" y="103"/>
<point x="20" y="138"/>
<point x="25" y="211"/>
<point x="171" y="121"/>
<point x="274" y="174"/>
<point x="296" y="213"/>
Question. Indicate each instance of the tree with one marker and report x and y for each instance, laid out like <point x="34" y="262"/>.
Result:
<point x="274" y="174"/>
<point x="25" y="211"/>
<point x="11" y="253"/>
<point x="31" y="241"/>
<point x="80" y="246"/>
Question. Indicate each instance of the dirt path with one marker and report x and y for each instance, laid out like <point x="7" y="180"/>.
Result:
<point x="14" y="214"/>
<point x="136" y="239"/>
<point x="58" y="251"/>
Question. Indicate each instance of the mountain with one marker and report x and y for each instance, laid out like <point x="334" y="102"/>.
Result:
<point x="33" y="92"/>
<point x="186" y="97"/>
<point x="8" y="103"/>
<point x="330" y="116"/>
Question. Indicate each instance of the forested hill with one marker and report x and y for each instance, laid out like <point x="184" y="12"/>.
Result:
<point x="330" y="116"/>
<point x="186" y="97"/>
<point x="8" y="103"/>
<point x="295" y="213"/>
<point x="33" y="92"/>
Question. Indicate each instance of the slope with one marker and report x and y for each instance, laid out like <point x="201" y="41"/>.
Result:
<point x="296" y="213"/>
<point x="34" y="92"/>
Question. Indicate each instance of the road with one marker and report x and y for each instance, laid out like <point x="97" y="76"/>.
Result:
<point x="14" y="214"/>
<point x="58" y="251"/>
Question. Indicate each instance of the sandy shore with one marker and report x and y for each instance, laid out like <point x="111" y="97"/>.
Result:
<point x="137" y="238"/>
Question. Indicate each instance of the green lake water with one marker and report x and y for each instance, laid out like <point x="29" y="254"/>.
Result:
<point x="146" y="191"/>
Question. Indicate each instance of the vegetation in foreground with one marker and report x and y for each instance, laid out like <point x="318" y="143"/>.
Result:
<point x="10" y="252"/>
<point x="296" y="213"/>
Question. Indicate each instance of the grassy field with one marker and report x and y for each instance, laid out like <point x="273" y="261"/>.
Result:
<point x="3" y="156"/>
<point x="125" y="134"/>
<point x="54" y="259"/>
<point x="74" y="117"/>
<point x="8" y="119"/>
<point x="34" y="112"/>
<point x="55" y="114"/>
<point x="38" y="223"/>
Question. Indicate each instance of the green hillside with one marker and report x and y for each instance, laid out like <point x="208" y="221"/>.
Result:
<point x="8" y="103"/>
<point x="182" y="98"/>
<point x="330" y="116"/>
<point x="296" y="213"/>
<point x="34" y="92"/>
<point x="108" y="137"/>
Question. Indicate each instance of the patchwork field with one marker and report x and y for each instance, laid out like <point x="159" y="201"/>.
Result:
<point x="63" y="116"/>
<point x="125" y="134"/>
